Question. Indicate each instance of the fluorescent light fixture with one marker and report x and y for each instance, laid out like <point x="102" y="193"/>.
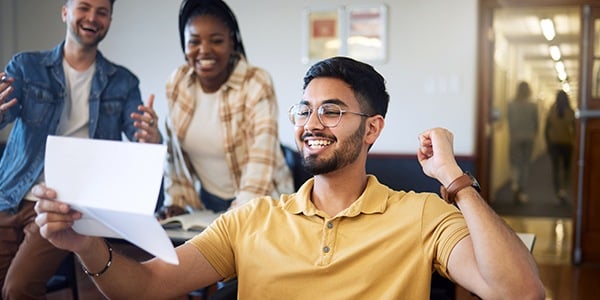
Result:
<point x="554" y="52"/>
<point x="566" y="87"/>
<point x="548" y="29"/>
<point x="559" y="66"/>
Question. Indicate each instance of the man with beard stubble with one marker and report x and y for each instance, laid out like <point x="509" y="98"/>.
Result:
<point x="342" y="235"/>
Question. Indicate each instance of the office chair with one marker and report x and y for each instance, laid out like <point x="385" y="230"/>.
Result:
<point x="65" y="277"/>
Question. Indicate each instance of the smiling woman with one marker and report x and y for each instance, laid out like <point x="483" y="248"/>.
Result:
<point x="222" y="120"/>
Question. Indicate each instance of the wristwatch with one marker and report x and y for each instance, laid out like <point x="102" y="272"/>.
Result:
<point x="463" y="181"/>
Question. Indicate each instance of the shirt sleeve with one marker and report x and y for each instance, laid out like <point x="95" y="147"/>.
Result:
<point x="178" y="181"/>
<point x="443" y="226"/>
<point x="214" y="244"/>
<point x="261" y="112"/>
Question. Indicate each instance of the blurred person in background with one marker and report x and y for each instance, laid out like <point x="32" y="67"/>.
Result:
<point x="559" y="134"/>
<point x="523" y="128"/>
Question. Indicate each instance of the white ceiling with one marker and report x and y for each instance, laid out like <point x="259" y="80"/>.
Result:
<point x="520" y="27"/>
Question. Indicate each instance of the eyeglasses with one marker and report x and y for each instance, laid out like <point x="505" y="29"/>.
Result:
<point x="329" y="114"/>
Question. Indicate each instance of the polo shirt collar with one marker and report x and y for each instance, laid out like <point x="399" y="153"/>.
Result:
<point x="373" y="200"/>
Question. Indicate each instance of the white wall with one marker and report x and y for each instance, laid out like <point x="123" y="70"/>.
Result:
<point x="431" y="65"/>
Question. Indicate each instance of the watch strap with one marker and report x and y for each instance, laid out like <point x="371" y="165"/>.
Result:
<point x="449" y="193"/>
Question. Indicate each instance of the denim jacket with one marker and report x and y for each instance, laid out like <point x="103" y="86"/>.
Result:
<point x="39" y="88"/>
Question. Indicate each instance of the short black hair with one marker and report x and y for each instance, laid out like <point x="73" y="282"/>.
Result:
<point x="368" y="85"/>
<point x="192" y="8"/>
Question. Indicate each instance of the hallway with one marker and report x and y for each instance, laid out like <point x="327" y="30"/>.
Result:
<point x="542" y="200"/>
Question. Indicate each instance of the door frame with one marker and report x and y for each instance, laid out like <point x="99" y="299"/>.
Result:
<point x="485" y="88"/>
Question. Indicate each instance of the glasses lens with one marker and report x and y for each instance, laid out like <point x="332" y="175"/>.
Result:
<point x="330" y="114"/>
<point x="299" y="114"/>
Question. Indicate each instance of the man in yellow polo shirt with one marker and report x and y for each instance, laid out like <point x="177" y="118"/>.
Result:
<point x="343" y="235"/>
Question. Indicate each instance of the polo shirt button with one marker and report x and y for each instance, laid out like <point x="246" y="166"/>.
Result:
<point x="326" y="249"/>
<point x="329" y="225"/>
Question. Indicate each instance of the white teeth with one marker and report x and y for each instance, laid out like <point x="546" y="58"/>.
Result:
<point x="90" y="28"/>
<point x="318" y="143"/>
<point x="206" y="62"/>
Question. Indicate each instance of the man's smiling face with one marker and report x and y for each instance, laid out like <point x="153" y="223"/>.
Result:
<point x="87" y="21"/>
<point x="326" y="149"/>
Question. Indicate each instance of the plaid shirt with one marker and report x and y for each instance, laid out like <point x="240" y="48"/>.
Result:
<point x="248" y="113"/>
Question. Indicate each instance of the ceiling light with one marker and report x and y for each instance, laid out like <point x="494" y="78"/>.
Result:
<point x="554" y="52"/>
<point x="559" y="66"/>
<point x="548" y="28"/>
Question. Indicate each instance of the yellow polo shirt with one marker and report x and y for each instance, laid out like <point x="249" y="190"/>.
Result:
<point x="384" y="246"/>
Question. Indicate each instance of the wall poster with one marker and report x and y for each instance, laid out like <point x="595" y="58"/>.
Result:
<point x="322" y="30"/>
<point x="366" y="39"/>
<point x="357" y="31"/>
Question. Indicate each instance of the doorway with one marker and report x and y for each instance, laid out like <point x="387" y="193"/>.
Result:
<point x="583" y="82"/>
<point x="526" y="56"/>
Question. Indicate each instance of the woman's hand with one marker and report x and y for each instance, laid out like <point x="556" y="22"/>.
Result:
<point x="169" y="211"/>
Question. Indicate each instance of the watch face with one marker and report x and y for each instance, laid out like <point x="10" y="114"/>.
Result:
<point x="475" y="182"/>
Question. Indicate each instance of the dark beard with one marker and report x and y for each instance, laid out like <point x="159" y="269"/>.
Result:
<point x="346" y="154"/>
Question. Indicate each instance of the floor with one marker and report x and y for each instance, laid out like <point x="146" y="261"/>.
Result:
<point x="542" y="201"/>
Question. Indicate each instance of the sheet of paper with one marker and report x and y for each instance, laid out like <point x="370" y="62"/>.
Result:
<point x="115" y="185"/>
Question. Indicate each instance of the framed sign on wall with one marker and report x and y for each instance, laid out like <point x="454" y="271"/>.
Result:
<point x="357" y="31"/>
<point x="367" y="32"/>
<point x="321" y="33"/>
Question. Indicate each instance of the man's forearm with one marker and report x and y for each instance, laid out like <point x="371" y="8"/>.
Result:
<point x="502" y="258"/>
<point x="115" y="275"/>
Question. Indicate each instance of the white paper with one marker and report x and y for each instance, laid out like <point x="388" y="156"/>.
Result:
<point x="115" y="185"/>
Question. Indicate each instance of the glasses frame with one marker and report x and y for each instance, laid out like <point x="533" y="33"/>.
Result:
<point x="320" y="114"/>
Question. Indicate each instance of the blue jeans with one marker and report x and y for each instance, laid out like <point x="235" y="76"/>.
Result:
<point x="214" y="203"/>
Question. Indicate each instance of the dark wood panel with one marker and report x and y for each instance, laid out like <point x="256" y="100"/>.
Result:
<point x="592" y="102"/>
<point x="591" y="193"/>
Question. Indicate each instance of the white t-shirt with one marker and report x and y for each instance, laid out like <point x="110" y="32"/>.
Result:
<point x="203" y="143"/>
<point x="75" y="118"/>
